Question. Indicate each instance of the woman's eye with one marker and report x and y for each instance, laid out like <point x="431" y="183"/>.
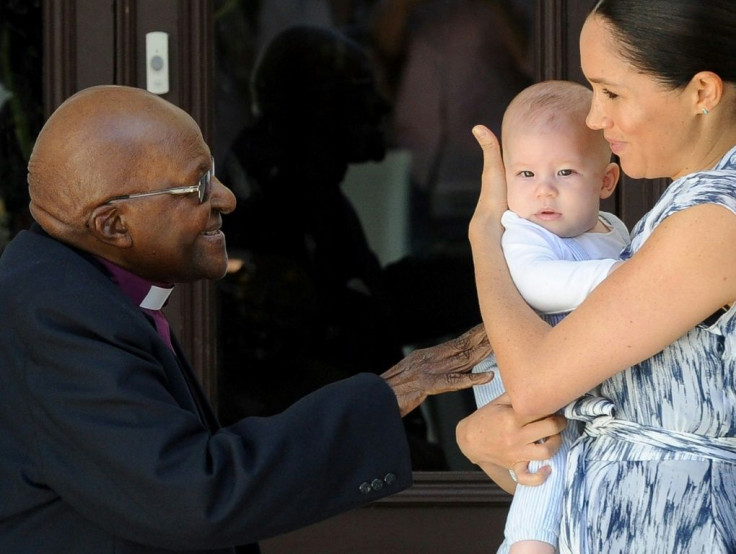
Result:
<point x="609" y="94"/>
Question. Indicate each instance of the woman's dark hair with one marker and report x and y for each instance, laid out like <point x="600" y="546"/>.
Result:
<point x="672" y="40"/>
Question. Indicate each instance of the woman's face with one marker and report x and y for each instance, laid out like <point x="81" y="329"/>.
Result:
<point x="649" y="126"/>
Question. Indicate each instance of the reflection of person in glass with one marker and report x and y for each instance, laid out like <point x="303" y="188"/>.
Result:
<point x="306" y="306"/>
<point x="449" y="64"/>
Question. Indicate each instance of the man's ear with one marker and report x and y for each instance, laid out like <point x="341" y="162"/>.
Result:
<point x="107" y="225"/>
<point x="708" y="89"/>
<point x="610" y="179"/>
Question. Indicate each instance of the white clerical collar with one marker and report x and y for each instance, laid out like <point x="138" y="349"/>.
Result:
<point x="143" y="292"/>
<point x="156" y="298"/>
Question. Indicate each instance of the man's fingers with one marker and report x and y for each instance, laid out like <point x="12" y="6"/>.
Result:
<point x="473" y="345"/>
<point x="481" y="378"/>
<point x="464" y="380"/>
<point x="474" y="337"/>
<point x="450" y="382"/>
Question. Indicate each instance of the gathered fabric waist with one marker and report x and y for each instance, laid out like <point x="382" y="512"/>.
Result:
<point x="606" y="438"/>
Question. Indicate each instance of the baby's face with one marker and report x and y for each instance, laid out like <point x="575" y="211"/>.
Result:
<point x="554" y="178"/>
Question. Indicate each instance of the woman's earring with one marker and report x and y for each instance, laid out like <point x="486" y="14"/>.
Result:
<point x="706" y="111"/>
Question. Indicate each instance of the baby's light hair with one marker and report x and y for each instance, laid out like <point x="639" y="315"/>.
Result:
<point x="551" y="105"/>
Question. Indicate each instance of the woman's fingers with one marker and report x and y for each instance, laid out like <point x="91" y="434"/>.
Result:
<point x="523" y="476"/>
<point x="493" y="179"/>
<point x="547" y="428"/>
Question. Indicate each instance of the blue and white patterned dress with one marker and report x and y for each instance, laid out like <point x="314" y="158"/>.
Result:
<point x="655" y="470"/>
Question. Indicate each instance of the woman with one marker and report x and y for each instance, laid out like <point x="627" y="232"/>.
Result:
<point x="656" y="469"/>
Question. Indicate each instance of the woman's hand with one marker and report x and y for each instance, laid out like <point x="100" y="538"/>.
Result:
<point x="495" y="435"/>
<point x="492" y="201"/>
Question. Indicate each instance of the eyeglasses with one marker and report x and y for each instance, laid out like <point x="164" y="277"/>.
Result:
<point x="202" y="189"/>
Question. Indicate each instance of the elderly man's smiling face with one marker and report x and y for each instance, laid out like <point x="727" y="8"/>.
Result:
<point x="107" y="142"/>
<point x="177" y="238"/>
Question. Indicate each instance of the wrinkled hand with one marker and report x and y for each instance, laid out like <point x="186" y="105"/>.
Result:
<point x="496" y="435"/>
<point x="442" y="368"/>
<point x="492" y="202"/>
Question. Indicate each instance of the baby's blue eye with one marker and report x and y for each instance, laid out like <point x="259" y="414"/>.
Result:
<point x="526" y="173"/>
<point x="565" y="172"/>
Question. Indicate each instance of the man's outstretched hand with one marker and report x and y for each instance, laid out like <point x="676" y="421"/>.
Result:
<point x="442" y="368"/>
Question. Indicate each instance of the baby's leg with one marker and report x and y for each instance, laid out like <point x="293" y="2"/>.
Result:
<point x="532" y="547"/>
<point x="488" y="392"/>
<point x="533" y="522"/>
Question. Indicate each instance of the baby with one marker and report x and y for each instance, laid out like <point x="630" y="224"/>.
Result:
<point x="559" y="246"/>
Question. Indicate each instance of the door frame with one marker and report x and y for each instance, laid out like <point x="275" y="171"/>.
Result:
<point x="90" y="42"/>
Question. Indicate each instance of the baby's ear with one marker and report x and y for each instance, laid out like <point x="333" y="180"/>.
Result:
<point x="610" y="179"/>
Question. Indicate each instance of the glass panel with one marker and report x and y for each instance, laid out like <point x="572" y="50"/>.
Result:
<point x="21" y="107"/>
<point x="348" y="146"/>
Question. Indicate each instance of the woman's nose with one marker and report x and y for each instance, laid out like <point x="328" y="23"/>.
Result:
<point x="595" y="119"/>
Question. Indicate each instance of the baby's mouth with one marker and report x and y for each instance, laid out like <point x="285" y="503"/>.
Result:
<point x="548" y="214"/>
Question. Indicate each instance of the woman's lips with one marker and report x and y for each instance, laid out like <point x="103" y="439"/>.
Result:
<point x="616" y="146"/>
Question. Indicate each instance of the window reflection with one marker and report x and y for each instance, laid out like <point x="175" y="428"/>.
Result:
<point x="344" y="131"/>
<point x="21" y="108"/>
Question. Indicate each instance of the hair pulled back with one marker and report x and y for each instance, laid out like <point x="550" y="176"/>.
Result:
<point x="672" y="40"/>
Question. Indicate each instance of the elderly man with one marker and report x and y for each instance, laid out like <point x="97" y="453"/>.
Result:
<point x="108" y="444"/>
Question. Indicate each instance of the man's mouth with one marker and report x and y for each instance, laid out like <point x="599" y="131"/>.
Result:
<point x="213" y="230"/>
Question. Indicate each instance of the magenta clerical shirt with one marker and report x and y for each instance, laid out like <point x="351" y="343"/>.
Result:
<point x="150" y="296"/>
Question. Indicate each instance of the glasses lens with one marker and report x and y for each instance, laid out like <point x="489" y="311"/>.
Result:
<point x="204" y="183"/>
<point x="203" y="180"/>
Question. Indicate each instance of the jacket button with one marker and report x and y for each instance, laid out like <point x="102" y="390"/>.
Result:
<point x="377" y="484"/>
<point x="365" y="488"/>
<point x="389" y="478"/>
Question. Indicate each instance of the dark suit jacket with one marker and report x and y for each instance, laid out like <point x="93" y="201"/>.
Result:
<point x="103" y="447"/>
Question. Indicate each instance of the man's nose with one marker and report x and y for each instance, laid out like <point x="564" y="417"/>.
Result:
<point x="222" y="198"/>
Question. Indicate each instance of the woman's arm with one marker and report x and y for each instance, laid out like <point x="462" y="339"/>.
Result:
<point x="684" y="272"/>
<point x="499" y="475"/>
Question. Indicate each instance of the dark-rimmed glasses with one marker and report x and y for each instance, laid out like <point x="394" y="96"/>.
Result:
<point x="202" y="189"/>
